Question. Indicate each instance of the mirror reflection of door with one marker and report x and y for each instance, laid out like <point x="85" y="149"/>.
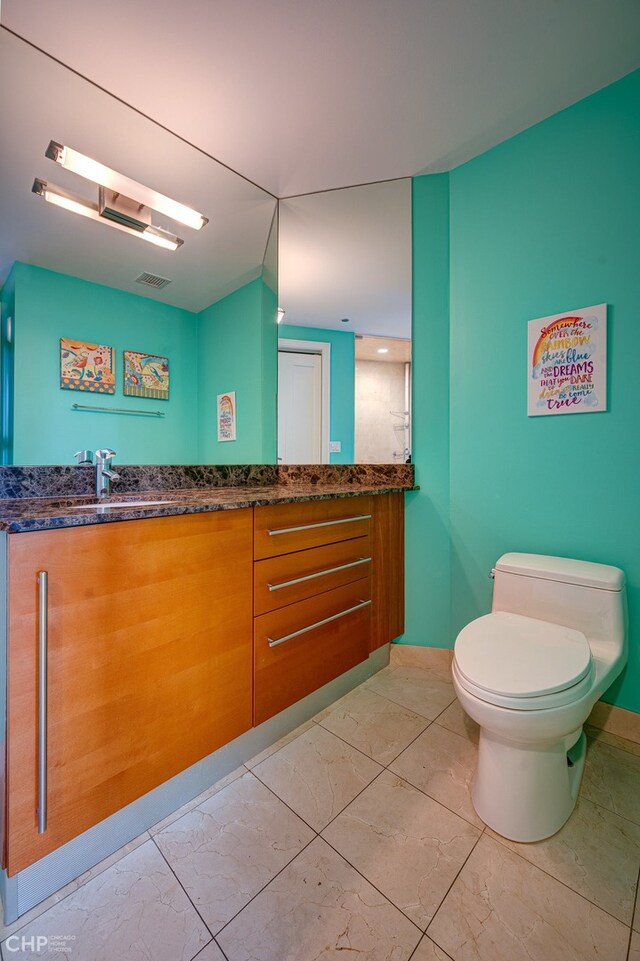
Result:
<point x="300" y="415"/>
<point x="344" y="276"/>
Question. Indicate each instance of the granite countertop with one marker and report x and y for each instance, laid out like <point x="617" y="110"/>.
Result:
<point x="44" y="513"/>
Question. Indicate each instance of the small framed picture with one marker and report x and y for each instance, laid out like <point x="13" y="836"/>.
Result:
<point x="86" y="367"/>
<point x="227" y="416"/>
<point x="145" y="375"/>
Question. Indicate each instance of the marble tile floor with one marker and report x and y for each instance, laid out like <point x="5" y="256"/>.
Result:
<point x="355" y="836"/>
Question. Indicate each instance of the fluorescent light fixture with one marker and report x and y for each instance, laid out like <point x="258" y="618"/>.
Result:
<point x="106" y="177"/>
<point x="280" y="314"/>
<point x="78" y="205"/>
<point x="383" y="350"/>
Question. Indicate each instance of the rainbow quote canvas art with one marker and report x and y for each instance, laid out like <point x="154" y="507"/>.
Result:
<point x="567" y="362"/>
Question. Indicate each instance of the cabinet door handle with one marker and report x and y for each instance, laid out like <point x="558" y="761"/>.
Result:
<point x="310" y="577"/>
<point x="308" y="527"/>
<point x="273" y="642"/>
<point x="43" y="639"/>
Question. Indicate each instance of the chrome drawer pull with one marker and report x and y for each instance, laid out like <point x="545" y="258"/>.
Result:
<point x="43" y="630"/>
<point x="273" y="642"/>
<point x="310" y="577"/>
<point x="308" y="527"/>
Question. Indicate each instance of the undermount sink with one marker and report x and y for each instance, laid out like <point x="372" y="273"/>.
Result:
<point x="117" y="505"/>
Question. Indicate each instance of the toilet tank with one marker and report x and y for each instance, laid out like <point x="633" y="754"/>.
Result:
<point x="587" y="597"/>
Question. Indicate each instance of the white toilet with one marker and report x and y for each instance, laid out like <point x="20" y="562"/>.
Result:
<point x="529" y="674"/>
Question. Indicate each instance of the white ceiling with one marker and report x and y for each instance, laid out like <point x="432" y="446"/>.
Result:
<point x="346" y="254"/>
<point x="304" y="95"/>
<point x="298" y="96"/>
<point x="41" y="100"/>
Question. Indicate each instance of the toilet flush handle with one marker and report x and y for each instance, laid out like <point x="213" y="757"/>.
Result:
<point x="492" y="573"/>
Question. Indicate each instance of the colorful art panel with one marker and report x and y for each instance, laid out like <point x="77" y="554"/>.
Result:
<point x="567" y="361"/>
<point x="146" y="375"/>
<point x="227" y="416"/>
<point x="86" y="367"/>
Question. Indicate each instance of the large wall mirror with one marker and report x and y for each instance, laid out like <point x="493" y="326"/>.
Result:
<point x="331" y="384"/>
<point x="344" y="340"/>
<point x="209" y="307"/>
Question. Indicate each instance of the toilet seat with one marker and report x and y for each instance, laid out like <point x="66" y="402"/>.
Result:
<point x="522" y="663"/>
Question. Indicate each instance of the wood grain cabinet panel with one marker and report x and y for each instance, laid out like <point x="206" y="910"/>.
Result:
<point x="288" y="578"/>
<point x="282" y="528"/>
<point x="149" y="664"/>
<point x="387" y="615"/>
<point x="294" y="658"/>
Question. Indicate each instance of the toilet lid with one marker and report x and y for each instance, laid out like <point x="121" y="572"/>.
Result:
<point x="517" y="656"/>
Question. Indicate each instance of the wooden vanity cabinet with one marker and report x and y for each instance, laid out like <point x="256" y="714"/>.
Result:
<point x="149" y="664"/>
<point x="167" y="637"/>
<point x="328" y="590"/>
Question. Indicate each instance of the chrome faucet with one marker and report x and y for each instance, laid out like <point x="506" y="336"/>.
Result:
<point x="104" y="474"/>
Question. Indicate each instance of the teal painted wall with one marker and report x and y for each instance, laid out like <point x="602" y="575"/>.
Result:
<point x="7" y="311"/>
<point x="545" y="222"/>
<point x="51" y="305"/>
<point x="427" y="616"/>
<point x="342" y="383"/>
<point x="269" y="399"/>
<point x="237" y="350"/>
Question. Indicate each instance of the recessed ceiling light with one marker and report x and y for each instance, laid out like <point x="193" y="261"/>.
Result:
<point x="383" y="350"/>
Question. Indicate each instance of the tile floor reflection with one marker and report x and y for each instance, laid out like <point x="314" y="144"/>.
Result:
<point x="355" y="836"/>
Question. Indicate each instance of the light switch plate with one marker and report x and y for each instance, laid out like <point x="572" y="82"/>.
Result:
<point x="335" y="447"/>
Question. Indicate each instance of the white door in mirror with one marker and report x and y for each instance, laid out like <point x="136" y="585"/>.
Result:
<point x="299" y="408"/>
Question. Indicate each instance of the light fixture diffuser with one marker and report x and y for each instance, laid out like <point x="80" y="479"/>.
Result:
<point x="78" y="205"/>
<point x="104" y="176"/>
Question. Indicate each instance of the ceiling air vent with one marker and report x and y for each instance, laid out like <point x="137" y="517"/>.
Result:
<point x="151" y="280"/>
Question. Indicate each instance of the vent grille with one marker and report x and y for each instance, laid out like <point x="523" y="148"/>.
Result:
<point x="152" y="280"/>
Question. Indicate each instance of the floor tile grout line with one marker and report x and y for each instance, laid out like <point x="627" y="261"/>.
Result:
<point x="387" y="767"/>
<point x="371" y="758"/>
<point x="208" y="945"/>
<point x="78" y="887"/>
<point x="413" y="953"/>
<point x="196" y="803"/>
<point x="598" y="740"/>
<point x="349" y="803"/>
<point x="223" y="953"/>
<point x="400" y="704"/>
<point x="282" y="746"/>
<point x="385" y="697"/>
<point x="288" y="806"/>
<point x="283" y="868"/>
<point x="612" y="747"/>
<point x="315" y="833"/>
<point x="187" y="895"/>
<point x="568" y="886"/>
<point x="374" y="886"/>
<point x="446" y="895"/>
<point x="500" y="840"/>
<point x="438" y="802"/>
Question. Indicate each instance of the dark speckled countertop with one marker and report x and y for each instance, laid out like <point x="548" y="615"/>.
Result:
<point x="32" y="513"/>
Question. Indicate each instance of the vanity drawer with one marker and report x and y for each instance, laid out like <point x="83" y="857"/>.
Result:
<point x="299" y="648"/>
<point x="293" y="577"/>
<point x="282" y="528"/>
